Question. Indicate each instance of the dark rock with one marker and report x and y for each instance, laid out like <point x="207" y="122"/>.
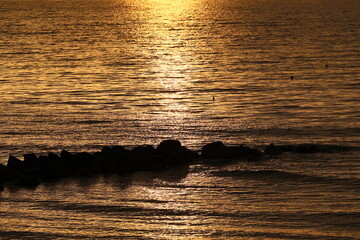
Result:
<point x="111" y="159"/>
<point x="31" y="160"/>
<point x="167" y="147"/>
<point x="213" y="150"/>
<point x="181" y="156"/>
<point x="3" y="176"/>
<point x="286" y="148"/>
<point x="28" y="182"/>
<point x="31" y="164"/>
<point x="15" y="164"/>
<point x="143" y="150"/>
<point x="54" y="157"/>
<point x="223" y="154"/>
<point x="51" y="169"/>
<point x="113" y="151"/>
<point x="66" y="157"/>
<point x="273" y="150"/>
<point x="243" y="152"/>
<point x="107" y="150"/>
<point x="140" y="158"/>
<point x="8" y="174"/>
<point x="105" y="164"/>
<point x="119" y="149"/>
<point x="83" y="162"/>
<point x="307" y="148"/>
<point x="155" y="164"/>
<point x="78" y="163"/>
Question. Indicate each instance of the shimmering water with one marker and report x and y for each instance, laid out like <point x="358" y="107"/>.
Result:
<point x="80" y="74"/>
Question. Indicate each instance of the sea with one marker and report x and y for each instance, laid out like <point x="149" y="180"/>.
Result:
<point x="83" y="74"/>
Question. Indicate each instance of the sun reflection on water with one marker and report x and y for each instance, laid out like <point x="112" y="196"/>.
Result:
<point x="170" y="57"/>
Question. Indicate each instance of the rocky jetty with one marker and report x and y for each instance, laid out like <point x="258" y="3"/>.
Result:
<point x="217" y="152"/>
<point x="33" y="170"/>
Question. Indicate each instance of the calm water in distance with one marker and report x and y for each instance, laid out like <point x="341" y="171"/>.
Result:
<point x="81" y="74"/>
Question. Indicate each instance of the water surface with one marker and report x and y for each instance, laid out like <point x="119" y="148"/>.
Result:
<point x="81" y="74"/>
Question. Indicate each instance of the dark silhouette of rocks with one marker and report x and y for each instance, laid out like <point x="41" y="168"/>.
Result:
<point x="217" y="150"/>
<point x="32" y="170"/>
<point x="2" y="176"/>
<point x="15" y="164"/>
<point x="213" y="150"/>
<point x="166" y="147"/>
<point x="28" y="182"/>
<point x="273" y="150"/>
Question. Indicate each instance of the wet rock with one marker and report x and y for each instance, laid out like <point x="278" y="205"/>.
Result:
<point x="31" y="160"/>
<point x="54" y="157"/>
<point x="143" y="150"/>
<point x="244" y="153"/>
<point x="66" y="157"/>
<point x="217" y="150"/>
<point x="31" y="164"/>
<point x="113" y="151"/>
<point x="167" y="147"/>
<point x="28" y="182"/>
<point x="155" y="164"/>
<point x="82" y="163"/>
<point x="8" y="174"/>
<point x="15" y="164"/>
<point x="307" y="148"/>
<point x="146" y="158"/>
<point x="3" y="170"/>
<point x="273" y="150"/>
<point x="107" y="150"/>
<point x="111" y="159"/>
<point x="51" y="169"/>
<point x="213" y="150"/>
<point x="141" y="157"/>
<point x="181" y="156"/>
<point x="286" y="148"/>
<point x="174" y="154"/>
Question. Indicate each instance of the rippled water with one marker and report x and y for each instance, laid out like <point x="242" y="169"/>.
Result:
<point x="81" y="74"/>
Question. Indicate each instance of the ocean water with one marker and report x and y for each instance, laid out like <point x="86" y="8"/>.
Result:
<point x="82" y="74"/>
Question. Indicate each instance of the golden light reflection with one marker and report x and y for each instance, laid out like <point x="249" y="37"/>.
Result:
<point x="166" y="25"/>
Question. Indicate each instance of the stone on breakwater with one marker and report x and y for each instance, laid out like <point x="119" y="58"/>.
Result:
<point x="217" y="150"/>
<point x="15" y="164"/>
<point x="51" y="168"/>
<point x="175" y="154"/>
<point x="213" y="150"/>
<point x="28" y="182"/>
<point x="273" y="150"/>
<point x="167" y="147"/>
<point x="111" y="159"/>
<point x="9" y="174"/>
<point x="146" y="158"/>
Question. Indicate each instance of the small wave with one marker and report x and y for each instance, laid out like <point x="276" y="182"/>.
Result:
<point x="89" y="122"/>
<point x="276" y="175"/>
